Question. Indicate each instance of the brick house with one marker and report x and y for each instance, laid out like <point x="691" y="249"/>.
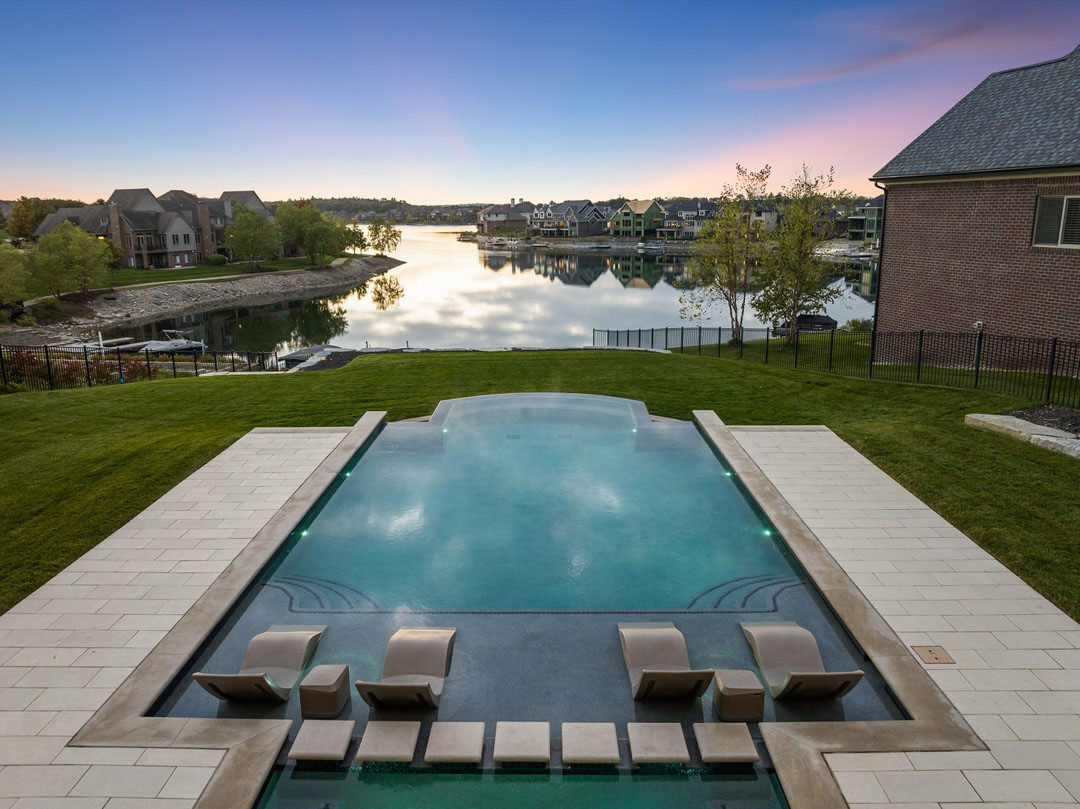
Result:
<point x="982" y="214"/>
<point x="176" y="229"/>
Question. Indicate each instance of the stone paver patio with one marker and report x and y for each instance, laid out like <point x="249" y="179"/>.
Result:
<point x="1016" y="679"/>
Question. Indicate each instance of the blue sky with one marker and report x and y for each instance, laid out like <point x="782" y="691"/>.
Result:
<point x="441" y="102"/>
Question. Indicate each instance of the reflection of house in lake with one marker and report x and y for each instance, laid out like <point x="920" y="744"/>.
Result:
<point x="583" y="269"/>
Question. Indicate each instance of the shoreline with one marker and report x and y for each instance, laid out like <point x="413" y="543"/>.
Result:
<point x="133" y="306"/>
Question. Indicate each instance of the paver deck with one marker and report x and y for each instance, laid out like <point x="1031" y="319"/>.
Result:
<point x="1016" y="678"/>
<point x="66" y="648"/>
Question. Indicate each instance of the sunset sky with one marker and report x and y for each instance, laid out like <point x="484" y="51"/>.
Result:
<point x="437" y="102"/>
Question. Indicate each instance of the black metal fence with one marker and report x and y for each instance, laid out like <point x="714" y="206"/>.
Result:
<point x="1035" y="368"/>
<point x="57" y="367"/>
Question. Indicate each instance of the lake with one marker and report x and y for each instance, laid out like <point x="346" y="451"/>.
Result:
<point x="451" y="294"/>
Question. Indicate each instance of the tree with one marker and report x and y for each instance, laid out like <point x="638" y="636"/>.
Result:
<point x="728" y="253"/>
<point x="13" y="275"/>
<point x="795" y="280"/>
<point x="3" y="223"/>
<point x="251" y="237"/>
<point x="357" y="241"/>
<point x="383" y="236"/>
<point x="70" y="258"/>
<point x="26" y="214"/>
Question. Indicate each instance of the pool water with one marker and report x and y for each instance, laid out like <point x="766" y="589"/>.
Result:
<point x="319" y="790"/>
<point x="519" y="505"/>
<point x="533" y="524"/>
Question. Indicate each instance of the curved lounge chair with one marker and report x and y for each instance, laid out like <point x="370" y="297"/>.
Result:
<point x="414" y="669"/>
<point x="658" y="664"/>
<point x="789" y="658"/>
<point x="272" y="664"/>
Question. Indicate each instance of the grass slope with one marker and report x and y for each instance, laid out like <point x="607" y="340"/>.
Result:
<point x="78" y="464"/>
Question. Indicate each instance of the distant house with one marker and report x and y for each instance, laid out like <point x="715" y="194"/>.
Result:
<point x="865" y="221"/>
<point x="637" y="217"/>
<point x="496" y="218"/>
<point x="685" y="219"/>
<point x="174" y="230"/>
<point x="574" y="217"/>
<point x="982" y="211"/>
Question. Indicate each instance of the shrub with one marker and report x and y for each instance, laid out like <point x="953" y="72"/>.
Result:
<point x="215" y="259"/>
<point x="26" y="320"/>
<point x="859" y="324"/>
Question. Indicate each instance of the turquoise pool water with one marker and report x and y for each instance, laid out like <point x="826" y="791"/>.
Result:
<point x="533" y="524"/>
<point x="309" y="790"/>
<point x="516" y="504"/>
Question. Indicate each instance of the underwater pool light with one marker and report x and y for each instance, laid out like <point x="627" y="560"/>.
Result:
<point x="768" y="533"/>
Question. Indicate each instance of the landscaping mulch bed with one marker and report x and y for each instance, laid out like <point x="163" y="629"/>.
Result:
<point x="1060" y="418"/>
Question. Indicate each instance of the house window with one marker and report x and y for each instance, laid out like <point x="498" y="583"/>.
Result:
<point x="1057" y="222"/>
<point x="187" y="258"/>
<point x="198" y="236"/>
<point x="176" y="238"/>
<point x="127" y="240"/>
<point x="187" y="238"/>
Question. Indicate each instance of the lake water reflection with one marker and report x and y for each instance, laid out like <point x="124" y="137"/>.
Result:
<point x="451" y="294"/>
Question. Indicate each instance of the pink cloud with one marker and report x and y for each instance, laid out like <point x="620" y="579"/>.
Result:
<point x="908" y="33"/>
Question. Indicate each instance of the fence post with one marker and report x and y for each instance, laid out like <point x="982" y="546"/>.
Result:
<point x="665" y="337"/>
<point x="215" y="353"/>
<point x="86" y="363"/>
<point x="978" y="356"/>
<point x="149" y="372"/>
<point x="918" y="357"/>
<point x="233" y="359"/>
<point x="742" y="341"/>
<point x="195" y="361"/>
<point x="699" y="339"/>
<point x="797" y="330"/>
<point x="766" y="343"/>
<point x="173" y="356"/>
<point x="639" y="338"/>
<point x="873" y="349"/>
<point x="119" y="366"/>
<point x="1050" y="368"/>
<point x="3" y="368"/>
<point x="682" y="338"/>
<point x="832" y="336"/>
<point x="48" y="367"/>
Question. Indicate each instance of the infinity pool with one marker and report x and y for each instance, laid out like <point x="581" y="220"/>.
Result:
<point x="533" y="523"/>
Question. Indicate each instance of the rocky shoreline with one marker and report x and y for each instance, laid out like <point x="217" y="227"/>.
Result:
<point x="136" y="305"/>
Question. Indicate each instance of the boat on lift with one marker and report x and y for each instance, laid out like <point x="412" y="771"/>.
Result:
<point x="175" y="342"/>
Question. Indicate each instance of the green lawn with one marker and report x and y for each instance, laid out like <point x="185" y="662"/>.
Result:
<point x="77" y="464"/>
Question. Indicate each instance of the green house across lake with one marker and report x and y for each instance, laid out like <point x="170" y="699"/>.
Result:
<point x="638" y="217"/>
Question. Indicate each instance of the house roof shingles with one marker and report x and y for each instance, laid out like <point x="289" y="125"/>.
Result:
<point x="1023" y="118"/>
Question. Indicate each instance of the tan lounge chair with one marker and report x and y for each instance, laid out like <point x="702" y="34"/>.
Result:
<point x="414" y="669"/>
<point x="658" y="664"/>
<point x="272" y="664"/>
<point x="789" y="658"/>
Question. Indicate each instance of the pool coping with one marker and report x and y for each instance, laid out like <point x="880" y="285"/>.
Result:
<point x="797" y="748"/>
